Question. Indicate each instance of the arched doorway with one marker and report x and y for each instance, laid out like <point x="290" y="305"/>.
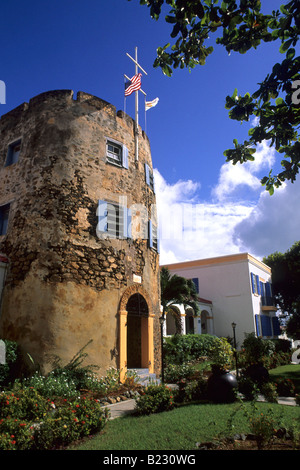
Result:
<point x="204" y="320"/>
<point x="173" y="321"/>
<point x="137" y="335"/>
<point x="136" y="340"/>
<point x="189" y="321"/>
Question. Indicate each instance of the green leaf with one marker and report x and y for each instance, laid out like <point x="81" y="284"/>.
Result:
<point x="290" y="54"/>
<point x="285" y="45"/>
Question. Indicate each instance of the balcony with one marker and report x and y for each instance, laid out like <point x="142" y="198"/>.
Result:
<point x="268" y="303"/>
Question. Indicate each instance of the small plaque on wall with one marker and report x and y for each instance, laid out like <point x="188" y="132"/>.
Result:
<point x="137" y="279"/>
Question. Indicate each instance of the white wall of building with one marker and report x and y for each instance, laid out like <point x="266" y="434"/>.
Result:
<point x="226" y="281"/>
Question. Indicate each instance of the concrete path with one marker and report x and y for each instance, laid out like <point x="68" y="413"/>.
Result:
<point x="127" y="407"/>
<point x="122" y="408"/>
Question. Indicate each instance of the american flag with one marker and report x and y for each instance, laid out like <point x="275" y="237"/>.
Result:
<point x="134" y="84"/>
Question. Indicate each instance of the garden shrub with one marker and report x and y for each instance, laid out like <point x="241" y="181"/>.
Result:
<point x="191" y="390"/>
<point x="248" y="388"/>
<point x="255" y="348"/>
<point x="69" y="422"/>
<point x="52" y="385"/>
<point x="155" y="398"/>
<point x="185" y="348"/>
<point x="10" y="370"/>
<point x="30" y="421"/>
<point x="285" y="387"/>
<point x="269" y="391"/>
<point x="174" y="373"/>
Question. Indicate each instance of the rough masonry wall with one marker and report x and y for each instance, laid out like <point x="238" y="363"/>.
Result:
<point x="64" y="284"/>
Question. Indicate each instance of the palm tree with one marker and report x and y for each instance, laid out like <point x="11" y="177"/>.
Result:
<point x="175" y="290"/>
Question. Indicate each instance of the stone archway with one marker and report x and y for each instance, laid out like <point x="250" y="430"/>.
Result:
<point x="189" y="321"/>
<point x="136" y="330"/>
<point x="137" y="335"/>
<point x="204" y="321"/>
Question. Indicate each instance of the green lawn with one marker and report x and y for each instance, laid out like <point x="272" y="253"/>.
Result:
<point x="181" y="428"/>
<point x="291" y="371"/>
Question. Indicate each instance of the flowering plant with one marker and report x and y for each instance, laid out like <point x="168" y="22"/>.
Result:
<point x="154" y="399"/>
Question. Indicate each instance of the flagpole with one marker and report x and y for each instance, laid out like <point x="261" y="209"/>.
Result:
<point x="136" y="129"/>
<point x="136" y="112"/>
<point x="145" y="117"/>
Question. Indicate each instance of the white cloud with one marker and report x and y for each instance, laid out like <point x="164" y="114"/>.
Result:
<point x="190" y="229"/>
<point x="273" y="224"/>
<point x="233" y="177"/>
<point x="235" y="220"/>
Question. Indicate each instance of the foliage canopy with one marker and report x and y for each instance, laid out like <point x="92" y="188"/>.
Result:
<point x="286" y="281"/>
<point x="242" y="25"/>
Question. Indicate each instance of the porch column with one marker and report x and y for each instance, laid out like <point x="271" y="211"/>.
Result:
<point x="147" y="342"/>
<point x="123" y="344"/>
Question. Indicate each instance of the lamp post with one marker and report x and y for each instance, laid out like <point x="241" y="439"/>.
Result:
<point x="161" y="320"/>
<point x="234" y="345"/>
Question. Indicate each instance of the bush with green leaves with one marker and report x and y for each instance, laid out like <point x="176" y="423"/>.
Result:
<point x="9" y="370"/>
<point x="177" y="372"/>
<point x="285" y="387"/>
<point x="30" y="421"/>
<point x="70" y="421"/>
<point x="222" y="354"/>
<point x="256" y="348"/>
<point x="52" y="385"/>
<point x="184" y="348"/>
<point x="248" y="388"/>
<point x="154" y="399"/>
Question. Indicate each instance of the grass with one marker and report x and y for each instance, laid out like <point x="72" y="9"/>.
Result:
<point x="182" y="427"/>
<point x="291" y="371"/>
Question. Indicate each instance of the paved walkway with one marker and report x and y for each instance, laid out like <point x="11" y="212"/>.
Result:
<point x="126" y="407"/>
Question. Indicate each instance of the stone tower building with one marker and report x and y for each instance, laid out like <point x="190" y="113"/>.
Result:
<point x="78" y="246"/>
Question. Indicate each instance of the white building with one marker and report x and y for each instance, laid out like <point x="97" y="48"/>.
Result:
<point x="240" y="291"/>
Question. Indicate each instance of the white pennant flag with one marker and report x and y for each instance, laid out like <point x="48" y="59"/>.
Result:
<point x="151" y="104"/>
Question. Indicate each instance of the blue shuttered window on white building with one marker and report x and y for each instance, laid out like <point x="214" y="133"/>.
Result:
<point x="264" y="289"/>
<point x="196" y="282"/>
<point x="267" y="326"/>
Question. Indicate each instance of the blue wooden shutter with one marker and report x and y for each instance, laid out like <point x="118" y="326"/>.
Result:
<point x="266" y="325"/>
<point x="125" y="157"/>
<point x="126" y="222"/>
<point x="196" y="282"/>
<point x="150" y="234"/>
<point x="147" y="174"/>
<point x="268" y="289"/>
<point x="102" y="213"/>
<point x="276" y="326"/>
<point x="253" y="283"/>
<point x="257" y="285"/>
<point x="257" y="323"/>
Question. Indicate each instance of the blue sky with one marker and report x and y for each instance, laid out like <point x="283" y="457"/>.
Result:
<point x="211" y="207"/>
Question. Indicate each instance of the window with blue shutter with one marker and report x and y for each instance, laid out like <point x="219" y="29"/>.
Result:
<point x="13" y="153"/>
<point x="113" y="220"/>
<point x="125" y="157"/>
<point x="102" y="213"/>
<point x="153" y="236"/>
<point x="196" y="282"/>
<point x="4" y="213"/>
<point x="266" y="325"/>
<point x="255" y="283"/>
<point x="116" y="153"/>
<point x="276" y="326"/>
<point x="149" y="178"/>
<point x="257" y="324"/>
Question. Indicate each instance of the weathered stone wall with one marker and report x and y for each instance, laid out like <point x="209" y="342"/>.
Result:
<point x="64" y="284"/>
